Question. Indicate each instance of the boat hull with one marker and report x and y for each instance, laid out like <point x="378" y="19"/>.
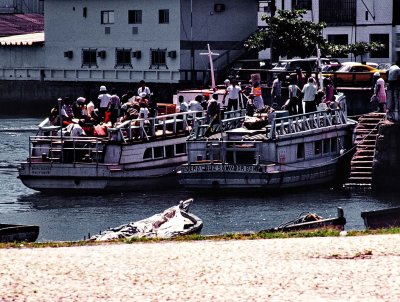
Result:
<point x="18" y="233"/>
<point x="253" y="176"/>
<point x="96" y="177"/>
<point x="386" y="218"/>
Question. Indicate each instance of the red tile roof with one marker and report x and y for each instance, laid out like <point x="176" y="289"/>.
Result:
<point x="19" y="24"/>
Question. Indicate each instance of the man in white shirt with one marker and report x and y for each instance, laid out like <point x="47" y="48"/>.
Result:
<point x="233" y="92"/>
<point x="195" y="105"/>
<point x="309" y="92"/>
<point x="183" y="106"/>
<point x="144" y="88"/>
<point x="104" y="100"/>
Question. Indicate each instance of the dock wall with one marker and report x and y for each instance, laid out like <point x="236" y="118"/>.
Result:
<point x="37" y="97"/>
<point x="17" y="96"/>
<point x="386" y="165"/>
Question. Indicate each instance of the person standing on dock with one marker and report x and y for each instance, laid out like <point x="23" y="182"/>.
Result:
<point x="393" y="97"/>
<point x="380" y="92"/>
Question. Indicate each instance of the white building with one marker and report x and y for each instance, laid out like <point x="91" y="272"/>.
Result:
<point x="350" y="21"/>
<point x="21" y="6"/>
<point x="127" y="41"/>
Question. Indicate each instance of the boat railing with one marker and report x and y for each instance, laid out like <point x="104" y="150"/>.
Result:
<point x="229" y="120"/>
<point x="305" y="122"/>
<point x="65" y="149"/>
<point x="46" y="128"/>
<point x="151" y="128"/>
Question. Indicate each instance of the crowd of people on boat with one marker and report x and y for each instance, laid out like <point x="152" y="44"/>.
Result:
<point x="91" y="117"/>
<point x="304" y="95"/>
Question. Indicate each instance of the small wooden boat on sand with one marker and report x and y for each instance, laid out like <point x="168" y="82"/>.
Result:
<point x="18" y="233"/>
<point x="174" y="221"/>
<point x="385" y="218"/>
<point x="311" y="221"/>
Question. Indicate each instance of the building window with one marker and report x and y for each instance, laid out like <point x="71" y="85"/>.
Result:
<point x="107" y="17"/>
<point x="397" y="40"/>
<point x="158" y="57"/>
<point x="339" y="40"/>
<point x="135" y="17"/>
<point x="396" y="12"/>
<point x="338" y="12"/>
<point x="163" y="16"/>
<point x="123" y="57"/>
<point x="302" y="4"/>
<point x="89" y="57"/>
<point x="383" y="39"/>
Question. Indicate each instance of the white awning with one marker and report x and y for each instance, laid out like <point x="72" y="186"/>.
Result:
<point x="22" y="40"/>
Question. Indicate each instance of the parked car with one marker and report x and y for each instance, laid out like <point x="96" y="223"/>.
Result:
<point x="331" y="67"/>
<point x="384" y="66"/>
<point x="353" y="73"/>
<point x="309" y="64"/>
<point x="243" y="69"/>
<point x="372" y="64"/>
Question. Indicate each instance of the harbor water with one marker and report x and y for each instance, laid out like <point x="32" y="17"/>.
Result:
<point x="73" y="217"/>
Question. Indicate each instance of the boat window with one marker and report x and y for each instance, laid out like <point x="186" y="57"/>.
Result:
<point x="333" y="144"/>
<point x="158" y="152"/>
<point x="181" y="148"/>
<point x="169" y="151"/>
<point x="327" y="145"/>
<point x="246" y="157"/>
<point x="148" y="153"/>
<point x="317" y="147"/>
<point x="300" y="150"/>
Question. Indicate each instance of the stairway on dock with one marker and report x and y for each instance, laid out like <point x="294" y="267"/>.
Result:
<point x="365" y="141"/>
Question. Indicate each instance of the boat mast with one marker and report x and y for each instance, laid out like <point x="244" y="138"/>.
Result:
<point x="319" y="67"/>
<point x="210" y="54"/>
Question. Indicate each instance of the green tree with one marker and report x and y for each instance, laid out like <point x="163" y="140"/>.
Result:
<point x="291" y="36"/>
<point x="362" y="48"/>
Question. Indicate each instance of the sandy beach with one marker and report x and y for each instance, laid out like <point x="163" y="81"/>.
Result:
<point x="363" y="268"/>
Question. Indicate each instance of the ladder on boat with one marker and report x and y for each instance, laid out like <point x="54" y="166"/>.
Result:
<point x="362" y="162"/>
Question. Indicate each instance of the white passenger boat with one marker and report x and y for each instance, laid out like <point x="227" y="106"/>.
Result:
<point x="292" y="151"/>
<point x="132" y="156"/>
